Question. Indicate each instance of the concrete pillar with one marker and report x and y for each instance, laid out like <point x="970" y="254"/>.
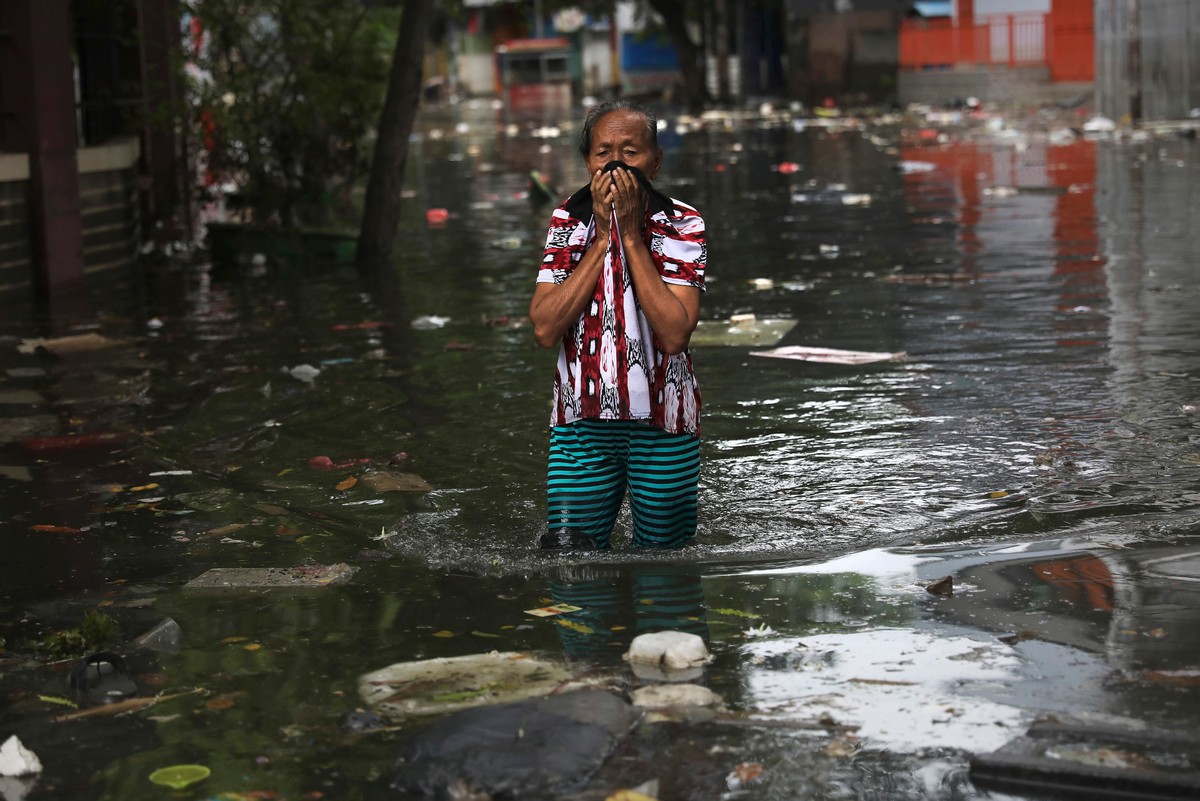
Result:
<point x="45" y="108"/>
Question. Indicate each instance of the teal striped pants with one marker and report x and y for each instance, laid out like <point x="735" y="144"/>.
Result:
<point x="594" y="462"/>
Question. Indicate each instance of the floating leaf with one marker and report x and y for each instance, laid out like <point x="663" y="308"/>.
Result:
<point x="54" y="529"/>
<point x="737" y="613"/>
<point x="231" y="640"/>
<point x="393" y="481"/>
<point x="573" y="626"/>
<point x="57" y="699"/>
<point x="443" y="633"/>
<point x="223" y="701"/>
<point x="1000" y="494"/>
<point x="748" y="771"/>
<point x="841" y="747"/>
<point x="478" y="633"/>
<point x="179" y="776"/>
<point x="346" y="484"/>
<point x="252" y="646"/>
<point x="144" y="487"/>
<point x="221" y="531"/>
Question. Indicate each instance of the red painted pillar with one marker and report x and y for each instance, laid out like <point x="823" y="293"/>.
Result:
<point x="964" y="33"/>
<point x="45" y="107"/>
<point x="966" y="13"/>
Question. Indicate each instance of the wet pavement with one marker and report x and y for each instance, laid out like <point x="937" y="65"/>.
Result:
<point x="1038" y="443"/>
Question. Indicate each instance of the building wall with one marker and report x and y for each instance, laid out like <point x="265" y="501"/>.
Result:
<point x="1165" y="36"/>
<point x="110" y="208"/>
<point x="16" y="259"/>
<point x="597" y="61"/>
<point x="1027" y="86"/>
<point x="851" y="56"/>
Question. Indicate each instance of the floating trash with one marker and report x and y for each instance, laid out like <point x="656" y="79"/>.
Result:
<point x="303" y="372"/>
<point x="832" y="197"/>
<point x="17" y="760"/>
<point x="1099" y="124"/>
<point x="910" y="167"/>
<point x="741" y="329"/>
<point x="428" y="322"/>
<point x="830" y="355"/>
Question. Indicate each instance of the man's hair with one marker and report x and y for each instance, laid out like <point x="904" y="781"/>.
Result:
<point x="598" y="111"/>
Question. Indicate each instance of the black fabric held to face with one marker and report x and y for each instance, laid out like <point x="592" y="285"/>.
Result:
<point x="579" y="205"/>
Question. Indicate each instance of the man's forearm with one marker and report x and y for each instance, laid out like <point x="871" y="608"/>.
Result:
<point x="670" y="317"/>
<point x="556" y="307"/>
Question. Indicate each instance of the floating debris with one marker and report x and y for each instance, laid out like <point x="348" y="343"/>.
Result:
<point x="273" y="577"/>
<point x="830" y="355"/>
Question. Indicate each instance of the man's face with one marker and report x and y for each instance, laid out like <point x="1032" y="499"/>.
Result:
<point x="622" y="135"/>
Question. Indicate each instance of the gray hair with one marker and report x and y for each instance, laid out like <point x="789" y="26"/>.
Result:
<point x="596" y="112"/>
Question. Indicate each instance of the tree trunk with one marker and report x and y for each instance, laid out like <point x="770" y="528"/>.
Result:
<point x="381" y="210"/>
<point x="672" y="12"/>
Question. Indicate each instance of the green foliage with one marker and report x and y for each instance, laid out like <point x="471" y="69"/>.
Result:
<point x="285" y="95"/>
<point x="97" y="631"/>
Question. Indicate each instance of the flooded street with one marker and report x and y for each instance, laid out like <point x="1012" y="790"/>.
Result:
<point x="1038" y="441"/>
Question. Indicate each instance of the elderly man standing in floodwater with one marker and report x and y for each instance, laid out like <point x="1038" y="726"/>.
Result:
<point x="618" y="293"/>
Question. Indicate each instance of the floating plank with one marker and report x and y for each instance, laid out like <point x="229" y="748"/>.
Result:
<point x="272" y="577"/>
<point x="830" y="355"/>
<point x="1093" y="762"/>
<point x="448" y="684"/>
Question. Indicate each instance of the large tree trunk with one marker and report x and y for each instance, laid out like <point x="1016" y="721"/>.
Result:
<point x="381" y="212"/>
<point x="690" y="64"/>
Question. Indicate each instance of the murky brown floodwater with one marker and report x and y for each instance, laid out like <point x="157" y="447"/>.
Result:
<point x="1039" y="443"/>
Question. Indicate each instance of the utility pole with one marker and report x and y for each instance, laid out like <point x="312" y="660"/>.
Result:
<point x="1135" y="62"/>
<point x="722" y="37"/>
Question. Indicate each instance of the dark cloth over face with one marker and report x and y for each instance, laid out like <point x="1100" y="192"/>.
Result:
<point x="579" y="205"/>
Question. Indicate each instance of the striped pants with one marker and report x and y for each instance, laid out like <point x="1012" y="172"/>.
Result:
<point x="616" y="609"/>
<point x="594" y="462"/>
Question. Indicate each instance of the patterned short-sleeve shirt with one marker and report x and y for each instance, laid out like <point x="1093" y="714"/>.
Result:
<point x="611" y="366"/>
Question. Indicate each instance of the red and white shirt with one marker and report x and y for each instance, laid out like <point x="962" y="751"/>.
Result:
<point x="611" y="366"/>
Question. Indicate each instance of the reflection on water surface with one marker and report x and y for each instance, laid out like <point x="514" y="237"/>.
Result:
<point x="1045" y="299"/>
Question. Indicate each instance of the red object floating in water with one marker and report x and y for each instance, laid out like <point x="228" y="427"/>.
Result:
<point x="436" y="216"/>
<point x="788" y="167"/>
<point x="720" y="168"/>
